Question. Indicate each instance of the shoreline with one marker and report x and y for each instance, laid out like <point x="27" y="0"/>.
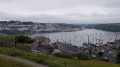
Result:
<point x="52" y="32"/>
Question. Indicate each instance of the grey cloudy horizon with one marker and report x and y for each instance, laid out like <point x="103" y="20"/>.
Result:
<point x="61" y="11"/>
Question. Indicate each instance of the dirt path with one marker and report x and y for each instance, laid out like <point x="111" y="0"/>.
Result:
<point x="23" y="61"/>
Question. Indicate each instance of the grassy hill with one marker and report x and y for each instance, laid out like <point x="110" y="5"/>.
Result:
<point x="53" y="61"/>
<point x="5" y="62"/>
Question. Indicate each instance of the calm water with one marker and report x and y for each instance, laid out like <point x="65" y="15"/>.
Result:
<point x="79" y="37"/>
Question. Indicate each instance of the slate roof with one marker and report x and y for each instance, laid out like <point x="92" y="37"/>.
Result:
<point x="1" y="34"/>
<point x="40" y="48"/>
<point x="34" y="45"/>
<point x="109" y="57"/>
<point x="68" y="48"/>
<point x="44" y="49"/>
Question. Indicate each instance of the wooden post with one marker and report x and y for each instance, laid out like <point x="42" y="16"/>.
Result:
<point x="65" y="63"/>
<point x="57" y="41"/>
<point x="38" y="57"/>
<point x="14" y="46"/>
<point x="13" y="42"/>
<point x="88" y="48"/>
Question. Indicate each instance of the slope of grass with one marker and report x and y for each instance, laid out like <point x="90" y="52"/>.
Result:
<point x="5" y="62"/>
<point x="53" y="61"/>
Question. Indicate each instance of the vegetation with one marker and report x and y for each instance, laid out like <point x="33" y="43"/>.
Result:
<point x="82" y="56"/>
<point x="5" y="62"/>
<point x="118" y="58"/>
<point x="63" y="25"/>
<point x="14" y="32"/>
<point x="53" y="61"/>
<point x="6" y="41"/>
<point x="63" y="55"/>
<point x="100" y="54"/>
<point x="23" y="46"/>
<point x="106" y="27"/>
<point x="24" y="39"/>
<point x="119" y="48"/>
<point x="21" y="42"/>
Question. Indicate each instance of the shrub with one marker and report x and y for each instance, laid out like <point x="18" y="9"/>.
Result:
<point x="100" y="54"/>
<point x="118" y="58"/>
<point x="82" y="56"/>
<point x="6" y="41"/>
<point x="22" y="46"/>
<point x="63" y="55"/>
<point x="24" y="39"/>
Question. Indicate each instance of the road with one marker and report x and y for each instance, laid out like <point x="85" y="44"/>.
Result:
<point x="23" y="61"/>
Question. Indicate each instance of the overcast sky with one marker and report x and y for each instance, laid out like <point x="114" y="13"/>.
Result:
<point x="61" y="11"/>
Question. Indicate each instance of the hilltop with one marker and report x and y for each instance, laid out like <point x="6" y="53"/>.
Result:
<point x="53" y="61"/>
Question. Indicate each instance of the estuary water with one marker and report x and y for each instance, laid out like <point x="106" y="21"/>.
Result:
<point x="79" y="37"/>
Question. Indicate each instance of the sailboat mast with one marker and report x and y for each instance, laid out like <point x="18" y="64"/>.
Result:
<point x="88" y="39"/>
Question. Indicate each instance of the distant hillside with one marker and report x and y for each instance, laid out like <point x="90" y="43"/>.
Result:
<point x="106" y="27"/>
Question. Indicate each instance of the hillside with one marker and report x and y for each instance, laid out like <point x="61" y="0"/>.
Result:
<point x="5" y="62"/>
<point x="53" y="61"/>
<point x="106" y="27"/>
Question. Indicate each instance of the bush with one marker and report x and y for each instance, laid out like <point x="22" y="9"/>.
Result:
<point x="63" y="55"/>
<point x="24" y="39"/>
<point x="22" y="46"/>
<point x="100" y="54"/>
<point x="6" y="41"/>
<point x="82" y="56"/>
<point x="118" y="58"/>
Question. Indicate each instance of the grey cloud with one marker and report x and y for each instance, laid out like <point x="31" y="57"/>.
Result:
<point x="61" y="11"/>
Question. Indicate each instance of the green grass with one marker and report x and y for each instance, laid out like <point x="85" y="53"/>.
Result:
<point x="5" y="62"/>
<point x="53" y="61"/>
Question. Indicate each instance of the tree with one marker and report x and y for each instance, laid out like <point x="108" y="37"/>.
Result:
<point x="24" y="39"/>
<point x="100" y="54"/>
<point x="118" y="58"/>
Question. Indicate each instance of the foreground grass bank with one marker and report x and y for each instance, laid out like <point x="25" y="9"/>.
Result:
<point x="5" y="62"/>
<point x="53" y="61"/>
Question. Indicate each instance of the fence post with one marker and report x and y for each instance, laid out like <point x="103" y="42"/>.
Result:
<point x="38" y="60"/>
<point x="14" y="46"/>
<point x="65" y="63"/>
